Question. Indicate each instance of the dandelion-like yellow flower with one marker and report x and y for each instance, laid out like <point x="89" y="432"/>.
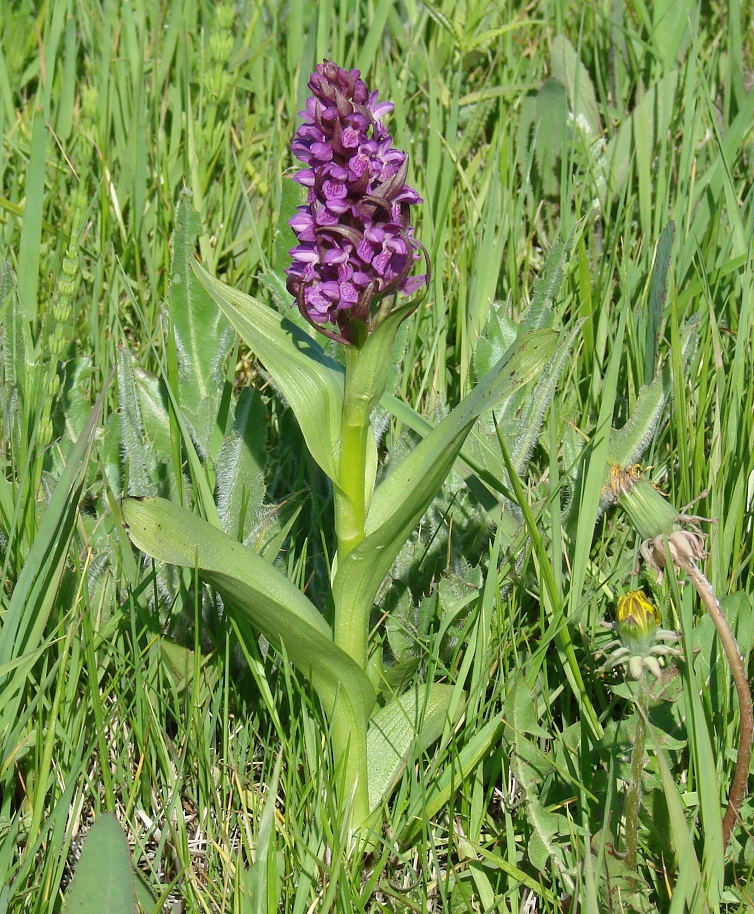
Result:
<point x="642" y="641"/>
<point x="636" y="614"/>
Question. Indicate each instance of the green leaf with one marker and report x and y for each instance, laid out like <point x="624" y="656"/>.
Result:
<point x="521" y="715"/>
<point x="441" y="788"/>
<point x="292" y="196"/>
<point x="571" y="72"/>
<point x="37" y="587"/>
<point x="655" y="109"/>
<point x="657" y="294"/>
<point x="401" y="499"/>
<point x="547" y="287"/>
<point x="530" y="765"/>
<point x="181" y="661"/>
<point x="673" y="21"/>
<point x="543" y="126"/>
<point x="538" y="400"/>
<point x="144" y="424"/>
<point x="310" y="381"/>
<point x="498" y="336"/>
<point x="630" y="441"/>
<point x="402" y="729"/>
<point x="373" y="364"/>
<point x="257" y="590"/>
<point x="17" y="346"/>
<point x="203" y="335"/>
<point x="259" y="886"/>
<point x="30" y="246"/>
<point x="104" y="879"/>
<point x="240" y="467"/>
<point x="682" y="838"/>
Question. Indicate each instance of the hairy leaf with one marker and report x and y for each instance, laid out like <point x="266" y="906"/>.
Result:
<point x="203" y="335"/>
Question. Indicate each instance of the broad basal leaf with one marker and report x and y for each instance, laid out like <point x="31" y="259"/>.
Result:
<point x="411" y="722"/>
<point x="259" y="591"/>
<point x="104" y="880"/>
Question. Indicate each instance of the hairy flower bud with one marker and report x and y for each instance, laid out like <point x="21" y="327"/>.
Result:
<point x="356" y="245"/>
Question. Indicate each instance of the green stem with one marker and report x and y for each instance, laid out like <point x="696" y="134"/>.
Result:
<point x="741" y="682"/>
<point x="633" y="795"/>
<point x="349" y="744"/>
<point x="352" y="622"/>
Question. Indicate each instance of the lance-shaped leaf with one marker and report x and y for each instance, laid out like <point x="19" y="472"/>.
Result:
<point x="310" y="381"/>
<point x="412" y="721"/>
<point x="258" y="590"/>
<point x="240" y="467"/>
<point x="401" y="499"/>
<point x="104" y="879"/>
<point x="203" y="336"/>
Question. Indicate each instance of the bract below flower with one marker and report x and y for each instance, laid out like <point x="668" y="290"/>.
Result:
<point x="356" y="246"/>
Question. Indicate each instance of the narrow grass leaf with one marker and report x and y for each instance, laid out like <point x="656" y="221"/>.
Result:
<point x="36" y="589"/>
<point x="555" y="605"/>
<point x="439" y="791"/>
<point x="31" y="229"/>
<point x="260" y="880"/>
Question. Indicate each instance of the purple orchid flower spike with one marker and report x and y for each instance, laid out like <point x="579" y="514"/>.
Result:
<point x="356" y="247"/>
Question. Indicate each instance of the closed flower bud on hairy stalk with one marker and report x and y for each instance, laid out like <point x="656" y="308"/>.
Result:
<point x="650" y="512"/>
<point x="657" y="521"/>
<point x="356" y="246"/>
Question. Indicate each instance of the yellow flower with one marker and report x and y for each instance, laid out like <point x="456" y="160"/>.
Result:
<point x="636" y="613"/>
<point x="642" y="641"/>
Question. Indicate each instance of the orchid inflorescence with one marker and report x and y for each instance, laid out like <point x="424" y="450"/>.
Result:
<point x="356" y="245"/>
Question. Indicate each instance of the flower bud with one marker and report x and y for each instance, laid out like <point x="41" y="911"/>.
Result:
<point x="637" y="620"/>
<point x="650" y="512"/>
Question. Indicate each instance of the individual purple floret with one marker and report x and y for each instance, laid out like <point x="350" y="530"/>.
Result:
<point x="355" y="243"/>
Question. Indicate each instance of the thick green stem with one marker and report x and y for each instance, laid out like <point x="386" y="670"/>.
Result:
<point x="633" y="794"/>
<point x="349" y="744"/>
<point x="352" y="622"/>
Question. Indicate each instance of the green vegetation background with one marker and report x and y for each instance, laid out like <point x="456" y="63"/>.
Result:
<point x="124" y="690"/>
